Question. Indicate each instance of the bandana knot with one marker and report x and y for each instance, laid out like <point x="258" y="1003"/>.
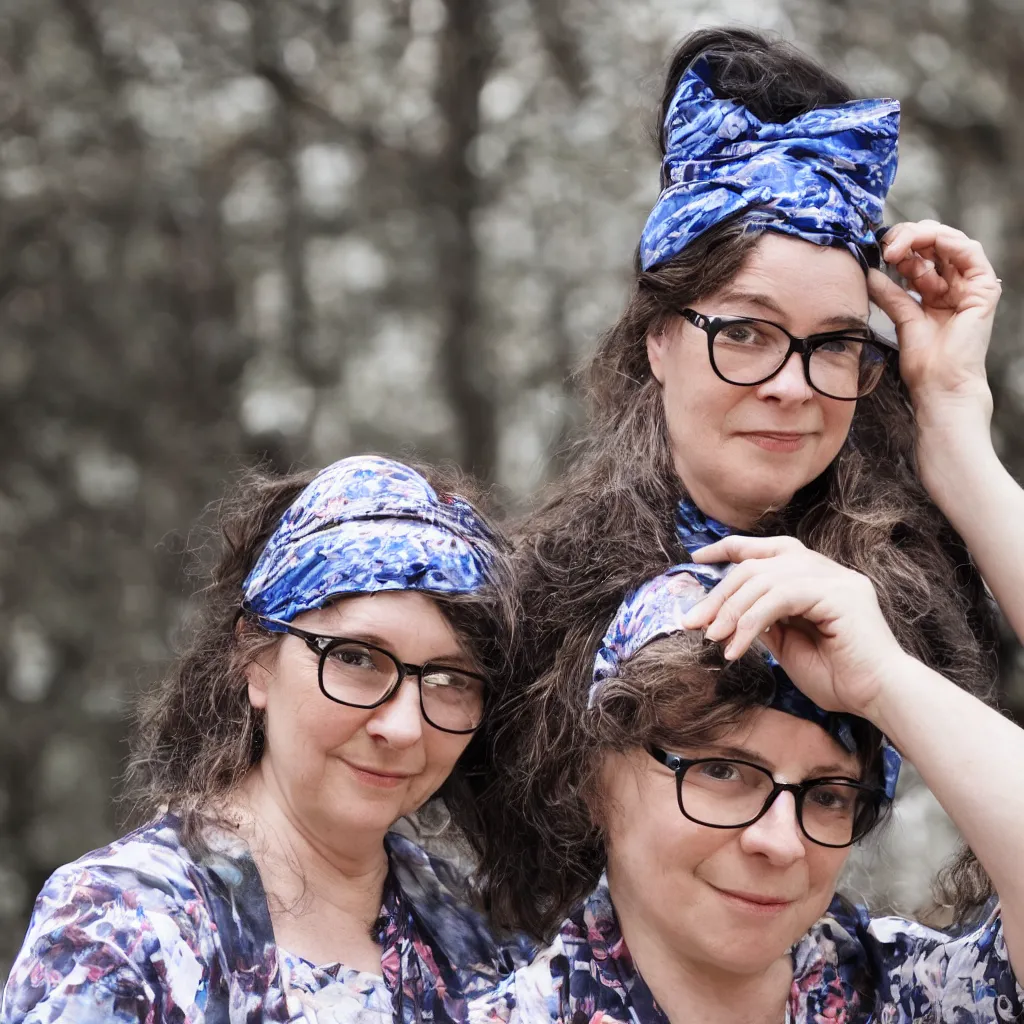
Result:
<point x="822" y="176"/>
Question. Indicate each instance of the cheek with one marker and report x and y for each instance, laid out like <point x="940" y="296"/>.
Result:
<point x="824" y="868"/>
<point x="443" y="751"/>
<point x="837" y="419"/>
<point x="696" y="401"/>
<point x="302" y="721"/>
<point x="647" y="836"/>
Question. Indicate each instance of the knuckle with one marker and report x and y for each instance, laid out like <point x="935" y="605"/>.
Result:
<point x="747" y="622"/>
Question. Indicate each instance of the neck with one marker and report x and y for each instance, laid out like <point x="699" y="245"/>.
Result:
<point x="303" y="874"/>
<point x="690" y="991"/>
<point x="739" y="515"/>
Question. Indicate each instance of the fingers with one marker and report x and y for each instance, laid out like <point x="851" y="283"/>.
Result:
<point x="925" y="277"/>
<point x="945" y="245"/>
<point x="750" y="554"/>
<point x="737" y="549"/>
<point x="762" y="607"/>
<point x="902" y="309"/>
<point x="725" y="621"/>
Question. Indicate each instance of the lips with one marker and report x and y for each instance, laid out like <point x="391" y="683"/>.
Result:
<point x="380" y="771"/>
<point x="380" y="778"/>
<point x="776" y="441"/>
<point x="757" y="902"/>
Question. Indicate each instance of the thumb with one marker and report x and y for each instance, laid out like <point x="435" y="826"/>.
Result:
<point x="901" y="308"/>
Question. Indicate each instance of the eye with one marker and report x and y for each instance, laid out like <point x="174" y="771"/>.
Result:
<point x="742" y="333"/>
<point x="440" y="679"/>
<point x="720" y="771"/>
<point x="838" y="346"/>
<point x="353" y="656"/>
<point x="840" y="799"/>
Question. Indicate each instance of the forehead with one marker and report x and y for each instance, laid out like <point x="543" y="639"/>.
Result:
<point x="803" y="279"/>
<point x="392" y="614"/>
<point x="790" y="746"/>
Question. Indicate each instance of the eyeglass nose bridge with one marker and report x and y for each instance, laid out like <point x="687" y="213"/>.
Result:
<point x="798" y="790"/>
<point x="800" y="347"/>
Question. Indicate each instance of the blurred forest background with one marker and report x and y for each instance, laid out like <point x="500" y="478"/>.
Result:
<point x="234" y="230"/>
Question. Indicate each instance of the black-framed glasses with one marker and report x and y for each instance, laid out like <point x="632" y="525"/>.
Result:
<point x="845" y="365"/>
<point x="726" y="793"/>
<point x="362" y="675"/>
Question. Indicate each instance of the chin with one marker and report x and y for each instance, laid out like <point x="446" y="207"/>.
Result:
<point x="753" y="949"/>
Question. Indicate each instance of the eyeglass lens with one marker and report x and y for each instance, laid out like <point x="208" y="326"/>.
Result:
<point x="748" y="351"/>
<point x="361" y="676"/>
<point x="730" y="794"/>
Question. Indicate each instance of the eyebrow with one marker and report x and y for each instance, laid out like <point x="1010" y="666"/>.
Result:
<point x="453" y="659"/>
<point x="837" y="322"/>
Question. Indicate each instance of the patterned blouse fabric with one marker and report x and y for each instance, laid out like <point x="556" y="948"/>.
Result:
<point x="142" y="931"/>
<point x="848" y="969"/>
<point x="368" y="524"/>
<point x="657" y="608"/>
<point x="823" y="176"/>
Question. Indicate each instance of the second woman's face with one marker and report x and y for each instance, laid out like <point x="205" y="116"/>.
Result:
<point x="727" y="901"/>
<point x="743" y="450"/>
<point x="339" y="772"/>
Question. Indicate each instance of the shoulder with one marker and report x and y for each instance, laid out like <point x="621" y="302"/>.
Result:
<point x="963" y="976"/>
<point x="442" y="899"/>
<point x="113" y="929"/>
<point x="146" y="870"/>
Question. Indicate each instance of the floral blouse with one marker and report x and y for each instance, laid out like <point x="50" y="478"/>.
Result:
<point x="848" y="969"/>
<point x="141" y="931"/>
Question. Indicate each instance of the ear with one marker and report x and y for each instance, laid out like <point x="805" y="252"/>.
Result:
<point x="258" y="678"/>
<point x="657" y="352"/>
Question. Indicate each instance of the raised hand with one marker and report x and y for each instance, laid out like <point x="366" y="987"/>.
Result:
<point x="820" y="620"/>
<point x="945" y="335"/>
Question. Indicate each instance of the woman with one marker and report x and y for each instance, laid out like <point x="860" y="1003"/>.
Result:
<point x="356" y="622"/>
<point x="726" y="382"/>
<point x="725" y="802"/>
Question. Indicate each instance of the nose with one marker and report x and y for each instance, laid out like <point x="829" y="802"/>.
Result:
<point x="776" y="835"/>
<point x="399" y="721"/>
<point x="789" y="384"/>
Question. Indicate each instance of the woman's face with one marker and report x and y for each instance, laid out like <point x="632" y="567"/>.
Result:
<point x="743" y="450"/>
<point x="339" y="772"/>
<point x="721" y="900"/>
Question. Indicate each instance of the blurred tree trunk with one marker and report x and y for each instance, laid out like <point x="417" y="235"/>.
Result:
<point x="467" y="51"/>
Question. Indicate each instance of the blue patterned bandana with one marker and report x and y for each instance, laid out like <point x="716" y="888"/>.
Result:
<point x="367" y="524"/>
<point x="657" y="609"/>
<point x="823" y="176"/>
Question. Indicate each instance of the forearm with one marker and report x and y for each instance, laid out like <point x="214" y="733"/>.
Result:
<point x="972" y="760"/>
<point x="982" y="501"/>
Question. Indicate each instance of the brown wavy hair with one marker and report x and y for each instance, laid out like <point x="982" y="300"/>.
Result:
<point x="607" y="525"/>
<point x="197" y="734"/>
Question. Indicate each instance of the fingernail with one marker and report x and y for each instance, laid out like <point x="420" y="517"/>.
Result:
<point x="729" y="652"/>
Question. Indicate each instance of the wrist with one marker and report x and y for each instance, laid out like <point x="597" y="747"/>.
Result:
<point x="951" y="413"/>
<point x="954" y="439"/>
<point x="905" y="683"/>
<point x="955" y="468"/>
